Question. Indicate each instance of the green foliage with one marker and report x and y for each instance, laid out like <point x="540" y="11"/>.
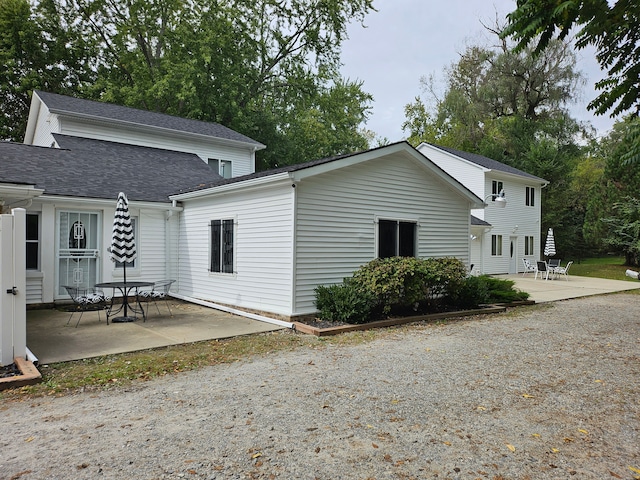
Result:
<point x="483" y="289"/>
<point x="624" y="230"/>
<point x="408" y="281"/>
<point x="344" y="303"/>
<point x="613" y="28"/>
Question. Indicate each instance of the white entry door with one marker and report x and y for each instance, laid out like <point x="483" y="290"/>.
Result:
<point x="78" y="249"/>
<point x="513" y="251"/>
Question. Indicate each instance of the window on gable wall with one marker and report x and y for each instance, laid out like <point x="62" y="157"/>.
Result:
<point x="221" y="246"/>
<point x="33" y="241"/>
<point x="530" y="196"/>
<point x="496" y="188"/>
<point x="396" y="238"/>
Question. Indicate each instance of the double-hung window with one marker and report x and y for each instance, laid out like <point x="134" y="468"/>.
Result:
<point x="496" y="245"/>
<point x="396" y="238"/>
<point x="221" y="246"/>
<point x="33" y="241"/>
<point x="223" y="167"/>
<point x="530" y="197"/>
<point x="528" y="245"/>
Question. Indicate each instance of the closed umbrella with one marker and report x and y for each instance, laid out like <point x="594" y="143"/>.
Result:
<point x="550" y="244"/>
<point x="123" y="245"/>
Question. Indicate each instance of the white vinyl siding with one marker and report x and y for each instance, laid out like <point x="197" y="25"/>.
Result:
<point x="337" y="213"/>
<point x="263" y="249"/>
<point x="241" y="157"/>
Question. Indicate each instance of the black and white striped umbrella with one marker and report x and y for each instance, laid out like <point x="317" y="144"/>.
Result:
<point x="550" y="244"/>
<point x="123" y="244"/>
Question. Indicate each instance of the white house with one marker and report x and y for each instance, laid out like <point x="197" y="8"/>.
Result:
<point x="500" y="237"/>
<point x="257" y="241"/>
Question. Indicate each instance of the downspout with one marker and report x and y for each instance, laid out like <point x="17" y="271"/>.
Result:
<point x="294" y="237"/>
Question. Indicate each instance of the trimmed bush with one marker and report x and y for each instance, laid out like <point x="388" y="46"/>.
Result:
<point x="475" y="291"/>
<point x="409" y="281"/>
<point x="344" y="303"/>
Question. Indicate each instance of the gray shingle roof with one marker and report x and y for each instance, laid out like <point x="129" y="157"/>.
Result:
<point x="488" y="163"/>
<point x="475" y="221"/>
<point x="71" y="105"/>
<point x="99" y="169"/>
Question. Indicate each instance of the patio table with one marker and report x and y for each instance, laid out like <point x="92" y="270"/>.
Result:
<point x="125" y="289"/>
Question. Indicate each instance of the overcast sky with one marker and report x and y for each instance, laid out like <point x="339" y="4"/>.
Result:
<point x="409" y="39"/>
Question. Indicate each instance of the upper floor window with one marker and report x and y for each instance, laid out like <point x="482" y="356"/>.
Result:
<point x="530" y="196"/>
<point x="221" y="253"/>
<point x="33" y="241"/>
<point x="396" y="238"/>
<point x="223" y="167"/>
<point x="496" y="188"/>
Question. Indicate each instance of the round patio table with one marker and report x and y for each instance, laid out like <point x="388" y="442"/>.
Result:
<point x="125" y="289"/>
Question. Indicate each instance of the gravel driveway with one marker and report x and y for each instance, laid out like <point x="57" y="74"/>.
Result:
<point x="548" y="392"/>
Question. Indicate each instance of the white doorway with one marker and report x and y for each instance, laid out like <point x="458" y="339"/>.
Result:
<point x="78" y="249"/>
<point x="513" y="254"/>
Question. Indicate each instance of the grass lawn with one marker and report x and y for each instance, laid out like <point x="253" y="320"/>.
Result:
<point x="602" y="267"/>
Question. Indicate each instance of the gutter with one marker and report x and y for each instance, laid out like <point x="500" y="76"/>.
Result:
<point x="241" y="313"/>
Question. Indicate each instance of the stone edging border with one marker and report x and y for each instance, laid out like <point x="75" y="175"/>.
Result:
<point x="29" y="375"/>
<point x="323" y="332"/>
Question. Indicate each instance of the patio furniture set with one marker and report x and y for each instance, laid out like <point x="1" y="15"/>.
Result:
<point x="551" y="269"/>
<point x="94" y="298"/>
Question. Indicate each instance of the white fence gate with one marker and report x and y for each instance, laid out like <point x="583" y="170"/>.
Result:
<point x="13" y="311"/>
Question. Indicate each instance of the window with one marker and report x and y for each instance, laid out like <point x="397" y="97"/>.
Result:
<point x="396" y="238"/>
<point x="496" y="245"/>
<point x="530" y="197"/>
<point x="134" y="225"/>
<point x="528" y="245"/>
<point x="33" y="241"/>
<point x="496" y="188"/>
<point x="221" y="246"/>
<point x="223" y="167"/>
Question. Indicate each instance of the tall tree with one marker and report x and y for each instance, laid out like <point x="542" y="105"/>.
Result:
<point x="38" y="50"/>
<point x="512" y="107"/>
<point x="266" y="68"/>
<point x="612" y="27"/>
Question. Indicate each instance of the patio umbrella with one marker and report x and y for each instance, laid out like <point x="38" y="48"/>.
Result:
<point x="123" y="245"/>
<point x="550" y="244"/>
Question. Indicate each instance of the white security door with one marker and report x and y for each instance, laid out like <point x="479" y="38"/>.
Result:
<point x="78" y="249"/>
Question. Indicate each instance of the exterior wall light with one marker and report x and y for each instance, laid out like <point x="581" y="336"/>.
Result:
<point x="499" y="199"/>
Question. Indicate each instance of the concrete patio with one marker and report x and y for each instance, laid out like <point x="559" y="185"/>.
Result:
<point x="51" y="340"/>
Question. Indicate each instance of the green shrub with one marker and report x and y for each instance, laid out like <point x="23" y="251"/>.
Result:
<point x="344" y="303"/>
<point x="408" y="281"/>
<point x="475" y="291"/>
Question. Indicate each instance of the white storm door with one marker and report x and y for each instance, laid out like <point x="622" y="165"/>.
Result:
<point x="78" y="248"/>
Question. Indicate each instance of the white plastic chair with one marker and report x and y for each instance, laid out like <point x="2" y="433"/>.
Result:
<point x="528" y="268"/>
<point x="563" y="271"/>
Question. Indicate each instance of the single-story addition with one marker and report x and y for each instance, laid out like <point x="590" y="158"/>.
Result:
<point x="500" y="237"/>
<point x="265" y="241"/>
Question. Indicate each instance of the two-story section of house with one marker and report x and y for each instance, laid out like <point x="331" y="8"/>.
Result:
<point x="500" y="237"/>
<point x="228" y="152"/>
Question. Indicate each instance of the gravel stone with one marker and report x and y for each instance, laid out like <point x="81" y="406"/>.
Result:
<point x="550" y="392"/>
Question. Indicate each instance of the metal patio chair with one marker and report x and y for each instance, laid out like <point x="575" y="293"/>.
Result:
<point x="87" y="299"/>
<point x="563" y="270"/>
<point x="543" y="269"/>
<point x="528" y="267"/>
<point x="160" y="291"/>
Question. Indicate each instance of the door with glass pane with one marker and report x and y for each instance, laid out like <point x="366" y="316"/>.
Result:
<point x="78" y="249"/>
